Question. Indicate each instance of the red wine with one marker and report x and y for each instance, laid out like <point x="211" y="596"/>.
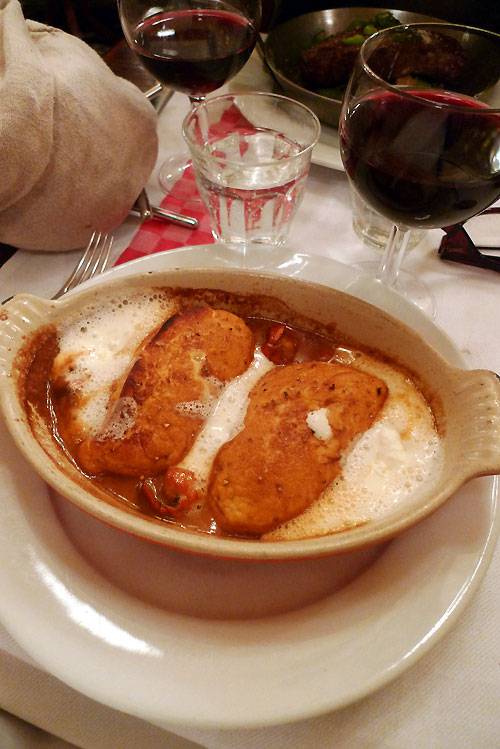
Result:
<point x="194" y="51"/>
<point x="419" y="165"/>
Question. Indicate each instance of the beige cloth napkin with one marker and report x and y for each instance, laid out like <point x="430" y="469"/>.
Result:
<point x="78" y="143"/>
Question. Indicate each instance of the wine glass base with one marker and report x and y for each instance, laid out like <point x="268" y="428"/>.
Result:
<point x="409" y="286"/>
<point x="172" y="170"/>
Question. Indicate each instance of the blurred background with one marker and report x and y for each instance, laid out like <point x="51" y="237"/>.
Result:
<point x="96" y="21"/>
<point x="482" y="13"/>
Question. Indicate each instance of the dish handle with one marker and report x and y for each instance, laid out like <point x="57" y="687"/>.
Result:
<point x="20" y="317"/>
<point x="475" y="412"/>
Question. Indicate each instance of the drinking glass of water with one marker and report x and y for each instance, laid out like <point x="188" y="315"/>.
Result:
<point x="251" y="155"/>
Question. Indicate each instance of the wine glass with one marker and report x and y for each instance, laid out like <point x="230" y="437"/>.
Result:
<point x="420" y="132"/>
<point x="191" y="46"/>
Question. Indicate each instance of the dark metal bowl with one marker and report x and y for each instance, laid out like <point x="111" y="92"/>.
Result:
<point x="286" y="42"/>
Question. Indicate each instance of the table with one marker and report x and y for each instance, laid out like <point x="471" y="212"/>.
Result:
<point x="450" y="699"/>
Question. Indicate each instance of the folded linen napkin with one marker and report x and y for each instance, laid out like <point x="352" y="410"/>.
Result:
<point x="157" y="236"/>
<point x="78" y="142"/>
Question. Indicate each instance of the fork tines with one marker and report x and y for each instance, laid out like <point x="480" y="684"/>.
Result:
<point x="94" y="260"/>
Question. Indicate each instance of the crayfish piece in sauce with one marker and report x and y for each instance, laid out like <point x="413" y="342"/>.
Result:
<point x="281" y="344"/>
<point x="179" y="489"/>
<point x="177" y="495"/>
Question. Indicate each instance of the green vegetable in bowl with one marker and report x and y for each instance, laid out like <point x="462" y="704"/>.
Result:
<point x="355" y="40"/>
<point x="327" y="62"/>
<point x="368" y="26"/>
<point x="385" y="20"/>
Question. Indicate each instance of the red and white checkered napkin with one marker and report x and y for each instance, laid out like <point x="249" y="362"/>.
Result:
<point x="158" y="235"/>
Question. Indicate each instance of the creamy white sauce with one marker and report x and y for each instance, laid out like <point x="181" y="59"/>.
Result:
<point x="121" y="420"/>
<point x="225" y="419"/>
<point x="98" y="346"/>
<point x="203" y="407"/>
<point x="318" y="423"/>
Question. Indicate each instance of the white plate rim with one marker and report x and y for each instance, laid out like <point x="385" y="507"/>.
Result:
<point x="19" y="620"/>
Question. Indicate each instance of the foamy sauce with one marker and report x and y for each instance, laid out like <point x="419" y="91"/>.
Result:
<point x="98" y="346"/>
<point x="202" y="408"/>
<point x="225" y="419"/>
<point x="318" y="423"/>
<point x="387" y="466"/>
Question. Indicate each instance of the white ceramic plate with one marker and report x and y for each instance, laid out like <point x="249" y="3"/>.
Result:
<point x="254" y="77"/>
<point x="98" y="627"/>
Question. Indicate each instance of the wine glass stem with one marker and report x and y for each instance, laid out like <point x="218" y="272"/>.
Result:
<point x="392" y="258"/>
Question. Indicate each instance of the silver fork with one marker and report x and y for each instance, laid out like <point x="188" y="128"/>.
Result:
<point x="94" y="260"/>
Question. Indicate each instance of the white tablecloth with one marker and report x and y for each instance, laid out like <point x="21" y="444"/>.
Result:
<point x="451" y="698"/>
